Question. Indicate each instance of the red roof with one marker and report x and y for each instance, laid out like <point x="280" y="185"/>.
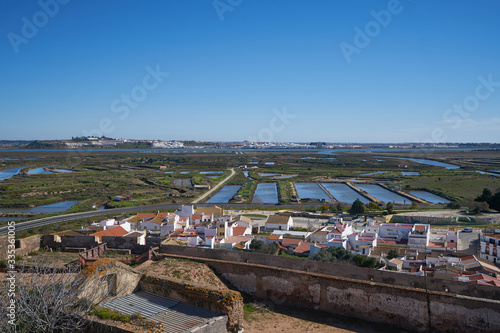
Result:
<point x="303" y="247"/>
<point x="420" y="227"/>
<point x="113" y="231"/>
<point x="290" y="241"/>
<point x="337" y="231"/>
<point x="239" y="230"/>
<point x="146" y="215"/>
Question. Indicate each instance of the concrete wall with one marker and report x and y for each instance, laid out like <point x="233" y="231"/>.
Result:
<point x="403" y="307"/>
<point x="226" y="302"/>
<point x="339" y="270"/>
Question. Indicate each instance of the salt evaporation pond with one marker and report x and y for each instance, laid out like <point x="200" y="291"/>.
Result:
<point x="54" y="208"/>
<point x="344" y="193"/>
<point x="382" y="194"/>
<point x="6" y="174"/>
<point x="410" y="173"/>
<point x="225" y="194"/>
<point x="39" y="171"/>
<point x="429" y="197"/>
<point x="311" y="191"/>
<point x="266" y="193"/>
<point x="374" y="173"/>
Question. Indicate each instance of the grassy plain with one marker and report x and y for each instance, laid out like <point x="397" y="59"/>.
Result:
<point x="153" y="176"/>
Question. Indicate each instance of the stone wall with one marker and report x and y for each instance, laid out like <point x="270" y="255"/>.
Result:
<point x="79" y="241"/>
<point x="226" y="302"/>
<point x="23" y="246"/>
<point x="114" y="242"/>
<point x="404" y="307"/>
<point x="52" y="241"/>
<point x="26" y="245"/>
<point x="346" y="271"/>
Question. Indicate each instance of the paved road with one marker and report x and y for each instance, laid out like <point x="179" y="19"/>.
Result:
<point x="216" y="187"/>
<point x="117" y="211"/>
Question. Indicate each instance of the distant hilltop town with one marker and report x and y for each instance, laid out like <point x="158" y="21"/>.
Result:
<point x="105" y="142"/>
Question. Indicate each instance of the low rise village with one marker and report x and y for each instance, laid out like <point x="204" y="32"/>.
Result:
<point x="405" y="248"/>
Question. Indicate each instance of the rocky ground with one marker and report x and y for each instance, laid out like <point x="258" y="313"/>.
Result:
<point x="182" y="269"/>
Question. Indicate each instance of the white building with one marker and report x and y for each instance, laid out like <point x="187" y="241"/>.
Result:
<point x="279" y="222"/>
<point x="394" y="232"/>
<point x="185" y="211"/>
<point x="489" y="247"/>
<point x="418" y="238"/>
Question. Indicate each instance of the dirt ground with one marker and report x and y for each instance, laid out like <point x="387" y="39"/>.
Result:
<point x="182" y="269"/>
<point x="289" y="320"/>
<point x="56" y="258"/>
<point x="449" y="213"/>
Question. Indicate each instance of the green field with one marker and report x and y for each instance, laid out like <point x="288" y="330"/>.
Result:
<point x="152" y="177"/>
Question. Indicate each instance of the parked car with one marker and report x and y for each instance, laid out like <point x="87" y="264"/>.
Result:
<point x="467" y="230"/>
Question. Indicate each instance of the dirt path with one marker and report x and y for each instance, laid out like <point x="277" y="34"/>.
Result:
<point x="216" y="187"/>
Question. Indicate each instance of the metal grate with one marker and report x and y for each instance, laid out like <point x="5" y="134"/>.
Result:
<point x="176" y="316"/>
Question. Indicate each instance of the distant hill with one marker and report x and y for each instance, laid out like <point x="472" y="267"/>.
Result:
<point x="134" y="145"/>
<point x="45" y="145"/>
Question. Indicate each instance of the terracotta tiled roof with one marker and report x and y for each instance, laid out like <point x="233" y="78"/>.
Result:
<point x="277" y="219"/>
<point x="290" y="241"/>
<point x="238" y="239"/>
<point x="303" y="248"/>
<point x="239" y="230"/>
<point x="157" y="220"/>
<point x="113" y="231"/>
<point x="146" y="215"/>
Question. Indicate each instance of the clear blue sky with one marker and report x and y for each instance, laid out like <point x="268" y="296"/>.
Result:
<point x="230" y="66"/>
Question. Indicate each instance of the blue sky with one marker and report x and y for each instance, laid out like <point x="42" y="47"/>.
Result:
<point x="271" y="70"/>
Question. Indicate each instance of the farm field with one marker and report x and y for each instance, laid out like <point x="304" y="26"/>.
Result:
<point x="162" y="176"/>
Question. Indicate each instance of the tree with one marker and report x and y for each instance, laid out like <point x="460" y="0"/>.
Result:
<point x="453" y="205"/>
<point x="486" y="196"/>
<point x="390" y="207"/>
<point x="256" y="245"/>
<point x="50" y="299"/>
<point x="392" y="254"/>
<point x="480" y="207"/>
<point x="324" y="208"/>
<point x="414" y="205"/>
<point x="357" y="207"/>
<point x="495" y="202"/>
<point x="373" y="206"/>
